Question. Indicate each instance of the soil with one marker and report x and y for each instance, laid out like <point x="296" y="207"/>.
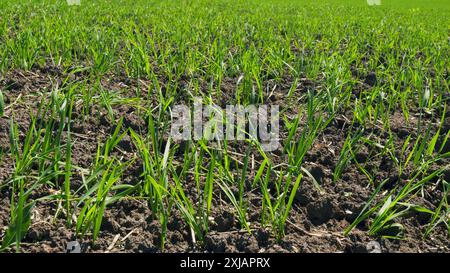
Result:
<point x="316" y="222"/>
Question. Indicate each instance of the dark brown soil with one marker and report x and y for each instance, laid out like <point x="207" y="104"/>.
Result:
<point x="316" y="222"/>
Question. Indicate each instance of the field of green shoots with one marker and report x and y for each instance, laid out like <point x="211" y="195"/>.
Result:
<point x="86" y="154"/>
